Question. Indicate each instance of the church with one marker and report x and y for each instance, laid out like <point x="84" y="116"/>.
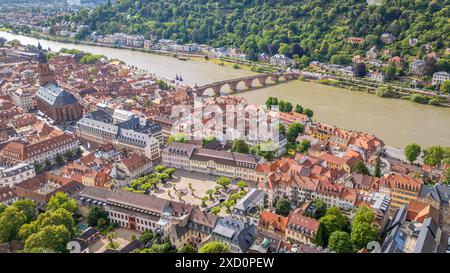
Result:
<point x="58" y="104"/>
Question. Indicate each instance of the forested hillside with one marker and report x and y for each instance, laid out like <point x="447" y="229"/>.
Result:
<point x="320" y="27"/>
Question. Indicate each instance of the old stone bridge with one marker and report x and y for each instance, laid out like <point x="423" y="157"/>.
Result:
<point x="249" y="81"/>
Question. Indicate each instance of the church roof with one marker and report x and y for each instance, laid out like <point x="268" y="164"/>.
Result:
<point x="55" y="95"/>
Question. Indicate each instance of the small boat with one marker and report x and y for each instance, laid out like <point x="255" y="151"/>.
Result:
<point x="182" y="59"/>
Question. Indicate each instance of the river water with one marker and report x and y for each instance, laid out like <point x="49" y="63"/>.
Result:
<point x="397" y="122"/>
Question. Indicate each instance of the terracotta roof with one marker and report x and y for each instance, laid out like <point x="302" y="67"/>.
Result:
<point x="135" y="161"/>
<point x="303" y="224"/>
<point x="277" y="222"/>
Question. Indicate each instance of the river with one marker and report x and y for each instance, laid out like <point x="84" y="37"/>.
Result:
<point x="397" y="122"/>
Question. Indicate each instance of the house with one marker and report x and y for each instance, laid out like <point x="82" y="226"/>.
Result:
<point x="133" y="167"/>
<point x="357" y="59"/>
<point x="378" y="76"/>
<point x="413" y="229"/>
<point x="355" y="40"/>
<point x="85" y="240"/>
<point x="412" y="42"/>
<point x="417" y="67"/>
<point x="281" y="60"/>
<point x="439" y="197"/>
<point x="380" y="204"/>
<point x="248" y="207"/>
<point x="361" y="182"/>
<point x="400" y="188"/>
<point x="397" y="61"/>
<point x="387" y="38"/>
<point x="373" y="53"/>
<point x="40" y="151"/>
<point x="214" y="162"/>
<point x="238" y="235"/>
<point x="42" y="187"/>
<point x="7" y="195"/>
<point x="440" y="77"/>
<point x="301" y="229"/>
<point x="272" y="223"/>
<point x="134" y="210"/>
<point x="194" y="230"/>
<point x="121" y="128"/>
<point x="11" y="174"/>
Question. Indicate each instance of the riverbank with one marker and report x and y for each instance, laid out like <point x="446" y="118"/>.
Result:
<point x="396" y="121"/>
<point x="353" y="84"/>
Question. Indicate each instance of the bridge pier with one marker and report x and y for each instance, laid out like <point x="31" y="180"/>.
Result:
<point x="233" y="86"/>
<point x="248" y="83"/>
<point x="275" y="78"/>
<point x="262" y="80"/>
<point x="216" y="89"/>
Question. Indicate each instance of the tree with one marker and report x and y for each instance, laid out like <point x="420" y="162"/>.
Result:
<point x="79" y="152"/>
<point x="299" y="109"/>
<point x="160" y="168"/>
<point x="363" y="230"/>
<point x="433" y="155"/>
<point x="446" y="175"/>
<point x="95" y="214"/>
<point x="293" y="130"/>
<point x="240" y="146"/>
<point x="10" y="222"/>
<point x="412" y="151"/>
<point x="160" y="248"/>
<point x="210" y="192"/>
<point x="378" y="168"/>
<point x="111" y="236"/>
<point x="341" y="220"/>
<point x="215" y="210"/>
<point x="146" y="236"/>
<point x="170" y="172"/>
<point x="242" y="184"/>
<point x="445" y="87"/>
<point x="62" y="200"/>
<point x="162" y="177"/>
<point x="296" y="49"/>
<point x="214" y="247"/>
<point x="281" y="129"/>
<point x="360" y="167"/>
<point x="48" y="164"/>
<point x="389" y="72"/>
<point x="50" y="237"/>
<point x="223" y="181"/>
<point x="68" y="155"/>
<point x="327" y="225"/>
<point x="2" y="208"/>
<point x="360" y="70"/>
<point x="59" y="159"/>
<point x="28" y="207"/>
<point x="283" y="207"/>
<point x="38" y="168"/>
<point x="187" y="249"/>
<point x="229" y="204"/>
<point x="304" y="146"/>
<point x="340" y="242"/>
<point x="362" y="234"/>
<point x="308" y="112"/>
<point x="271" y="101"/>
<point x="320" y="209"/>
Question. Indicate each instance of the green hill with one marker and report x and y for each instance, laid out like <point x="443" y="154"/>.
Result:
<point x="320" y="27"/>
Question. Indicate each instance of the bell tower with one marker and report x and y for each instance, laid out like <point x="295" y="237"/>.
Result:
<point x="45" y="74"/>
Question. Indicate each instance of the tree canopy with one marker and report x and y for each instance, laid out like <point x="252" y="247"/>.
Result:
<point x="314" y="28"/>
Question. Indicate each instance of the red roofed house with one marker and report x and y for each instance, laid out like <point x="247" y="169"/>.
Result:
<point x="301" y="229"/>
<point x="273" y="223"/>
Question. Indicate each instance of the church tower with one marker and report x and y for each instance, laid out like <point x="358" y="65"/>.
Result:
<point x="45" y="74"/>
